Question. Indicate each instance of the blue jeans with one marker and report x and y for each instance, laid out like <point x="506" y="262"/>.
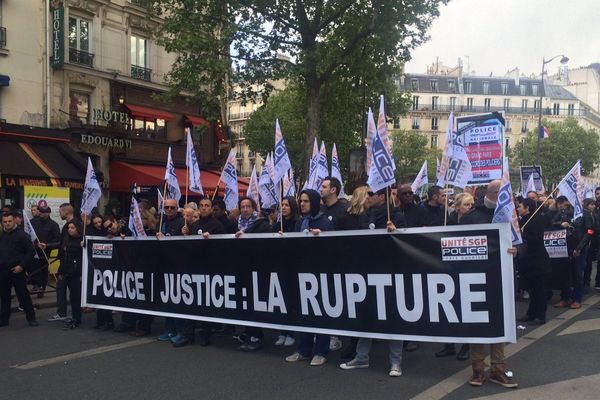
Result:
<point x="321" y="345"/>
<point x="579" y="272"/>
<point x="363" y="347"/>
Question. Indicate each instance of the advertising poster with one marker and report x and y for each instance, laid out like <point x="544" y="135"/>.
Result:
<point x="50" y="196"/>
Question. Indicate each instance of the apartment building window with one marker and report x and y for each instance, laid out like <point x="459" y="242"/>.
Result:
<point x="414" y="84"/>
<point x="415" y="103"/>
<point x="434" y="123"/>
<point x="139" y="58"/>
<point x="79" y="107"/>
<point x="434" y="85"/>
<point x="451" y="86"/>
<point x="416" y="122"/>
<point x="80" y="42"/>
<point x="434" y="141"/>
<point x="536" y="106"/>
<point x="523" y="89"/>
<point x="397" y="123"/>
<point x="524" y="105"/>
<point x="507" y="143"/>
<point x="487" y="104"/>
<point x="524" y="128"/>
<point x="240" y="150"/>
<point x="452" y="103"/>
<point x="534" y="89"/>
<point x="504" y="88"/>
<point x="571" y="109"/>
<point x="556" y="109"/>
<point x="486" y="88"/>
<point x="467" y="86"/>
<point x="435" y="102"/>
<point x="506" y="104"/>
<point x="508" y="126"/>
<point x="469" y="103"/>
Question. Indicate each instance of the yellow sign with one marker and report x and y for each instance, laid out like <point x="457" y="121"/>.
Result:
<point x="49" y="196"/>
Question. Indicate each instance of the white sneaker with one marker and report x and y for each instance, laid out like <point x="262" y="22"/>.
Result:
<point x="354" y="364"/>
<point x="289" y="341"/>
<point x="318" y="360"/>
<point x="395" y="370"/>
<point x="280" y="340"/>
<point x="295" y="357"/>
<point x="56" y="317"/>
<point x="334" y="343"/>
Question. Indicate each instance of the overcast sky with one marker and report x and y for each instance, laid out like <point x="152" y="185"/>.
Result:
<point x="499" y="35"/>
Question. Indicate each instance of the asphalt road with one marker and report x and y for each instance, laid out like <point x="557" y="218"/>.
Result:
<point x="49" y="363"/>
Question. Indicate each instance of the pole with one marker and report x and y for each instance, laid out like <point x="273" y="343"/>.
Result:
<point x="539" y="207"/>
<point x="387" y="201"/>
<point x="280" y="207"/>
<point x="187" y="183"/>
<point x="446" y="204"/>
<point x="538" y="144"/>
<point x="162" y="212"/>
<point x="216" y="189"/>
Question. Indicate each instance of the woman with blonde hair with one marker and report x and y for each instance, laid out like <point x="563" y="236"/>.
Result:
<point x="358" y="205"/>
<point x="463" y="203"/>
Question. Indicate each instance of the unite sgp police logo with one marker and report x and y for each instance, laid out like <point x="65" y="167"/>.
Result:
<point x="464" y="248"/>
<point x="102" y="250"/>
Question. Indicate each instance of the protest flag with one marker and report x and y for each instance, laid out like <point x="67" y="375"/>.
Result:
<point x="335" y="168"/>
<point x="505" y="210"/>
<point x="193" y="170"/>
<point x="136" y="226"/>
<point x="172" y="190"/>
<point x="253" y="192"/>
<point x="281" y="159"/>
<point x="229" y="177"/>
<point x="421" y="179"/>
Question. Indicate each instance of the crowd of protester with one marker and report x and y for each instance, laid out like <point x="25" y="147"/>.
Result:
<point x="22" y="261"/>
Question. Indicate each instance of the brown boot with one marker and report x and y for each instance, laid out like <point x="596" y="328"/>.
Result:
<point x="502" y="377"/>
<point x="477" y="378"/>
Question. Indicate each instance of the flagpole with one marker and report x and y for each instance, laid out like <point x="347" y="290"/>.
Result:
<point x="162" y="213"/>
<point x="539" y="207"/>
<point x="187" y="182"/>
<point x="86" y="194"/>
<point x="387" y="201"/>
<point x="280" y="205"/>
<point x="216" y="189"/>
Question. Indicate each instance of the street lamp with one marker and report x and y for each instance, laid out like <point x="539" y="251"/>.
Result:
<point x="563" y="60"/>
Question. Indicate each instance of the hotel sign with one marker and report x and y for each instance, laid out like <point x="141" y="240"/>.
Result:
<point x="110" y="116"/>
<point x="105" y="141"/>
<point x="58" y="33"/>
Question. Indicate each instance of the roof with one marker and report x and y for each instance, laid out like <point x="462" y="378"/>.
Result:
<point x="558" y="92"/>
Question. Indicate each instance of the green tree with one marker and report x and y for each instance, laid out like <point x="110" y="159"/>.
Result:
<point x="567" y="143"/>
<point x="345" y="40"/>
<point x="410" y="149"/>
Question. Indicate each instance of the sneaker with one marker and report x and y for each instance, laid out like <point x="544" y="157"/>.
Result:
<point x="296" y="357"/>
<point x="20" y="309"/>
<point x="575" y="306"/>
<point x="318" y="360"/>
<point x="57" y="317"/>
<point x="280" y="340"/>
<point x="252" y="344"/>
<point x="395" y="370"/>
<point x="289" y="341"/>
<point x="477" y="378"/>
<point x="165" y="337"/>
<point x="175" y="338"/>
<point x="504" y="379"/>
<point x="354" y="364"/>
<point x="242" y="337"/>
<point x="335" y="343"/>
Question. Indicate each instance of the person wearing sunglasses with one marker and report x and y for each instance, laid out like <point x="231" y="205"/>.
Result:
<point x="173" y="221"/>
<point x="414" y="215"/>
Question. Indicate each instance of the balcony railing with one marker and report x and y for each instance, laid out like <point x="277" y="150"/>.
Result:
<point x="2" y="37"/>
<point x="243" y="115"/>
<point x="81" y="58"/>
<point x="141" y="73"/>
<point x="509" y="110"/>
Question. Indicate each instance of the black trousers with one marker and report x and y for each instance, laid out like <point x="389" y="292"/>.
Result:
<point x="7" y="280"/>
<point x="537" y="297"/>
<point x="73" y="283"/>
<point x="38" y="275"/>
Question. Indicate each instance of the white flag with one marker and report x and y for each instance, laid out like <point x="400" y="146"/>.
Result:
<point x="421" y="179"/>
<point x="505" y="207"/>
<point x="313" y="166"/>
<point x="136" y="226"/>
<point x="265" y="186"/>
<point x="289" y="186"/>
<point x="382" y="129"/>
<point x="530" y="185"/>
<point x="28" y="228"/>
<point x="381" y="174"/>
<point x="322" y="168"/>
<point x="571" y="186"/>
<point x="252" y="191"/>
<point x="161" y="201"/>
<point x="371" y="131"/>
<point x="91" y="190"/>
<point x="173" y="190"/>
<point x="437" y="170"/>
<point x="191" y="161"/>
<point x="229" y="177"/>
<point x="281" y="159"/>
<point x="335" y="168"/>
<point x="456" y="167"/>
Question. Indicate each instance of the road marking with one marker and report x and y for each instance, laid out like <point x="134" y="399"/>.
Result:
<point x="457" y="380"/>
<point x="82" y="354"/>
<point x="582" y="326"/>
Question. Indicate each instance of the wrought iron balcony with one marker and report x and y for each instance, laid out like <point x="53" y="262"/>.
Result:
<point x="141" y="73"/>
<point x="81" y="57"/>
<point x="2" y="37"/>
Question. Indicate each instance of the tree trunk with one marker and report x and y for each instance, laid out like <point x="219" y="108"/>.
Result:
<point x="313" y="114"/>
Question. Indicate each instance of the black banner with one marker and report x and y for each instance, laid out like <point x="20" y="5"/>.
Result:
<point x="446" y="284"/>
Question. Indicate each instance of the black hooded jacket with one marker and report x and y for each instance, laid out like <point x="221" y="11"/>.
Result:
<point x="316" y="219"/>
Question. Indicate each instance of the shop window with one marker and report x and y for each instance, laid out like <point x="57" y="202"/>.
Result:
<point x="79" y="107"/>
<point x="149" y="128"/>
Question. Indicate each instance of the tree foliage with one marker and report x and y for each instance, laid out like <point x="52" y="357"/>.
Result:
<point x="567" y="143"/>
<point x="410" y="149"/>
<point x="347" y="41"/>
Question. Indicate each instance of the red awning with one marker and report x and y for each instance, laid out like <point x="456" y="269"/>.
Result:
<point x="151" y="113"/>
<point x="123" y="175"/>
<point x="196" y="121"/>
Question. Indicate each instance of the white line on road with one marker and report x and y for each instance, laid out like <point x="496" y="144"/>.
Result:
<point x="455" y="381"/>
<point x="586" y="325"/>
<point x="82" y="354"/>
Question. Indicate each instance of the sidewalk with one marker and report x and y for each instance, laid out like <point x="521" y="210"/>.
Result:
<point x="48" y="301"/>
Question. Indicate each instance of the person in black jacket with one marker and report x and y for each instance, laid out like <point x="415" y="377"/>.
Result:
<point x="173" y="221"/>
<point x="434" y="208"/>
<point x="314" y="221"/>
<point x="220" y="213"/>
<point x="585" y="229"/>
<point x="334" y="207"/>
<point x="413" y="213"/>
<point x="289" y="215"/>
<point x="71" y="255"/>
<point x="357" y="205"/>
<point x="16" y="255"/>
<point x="47" y="231"/>
<point x="534" y="264"/>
